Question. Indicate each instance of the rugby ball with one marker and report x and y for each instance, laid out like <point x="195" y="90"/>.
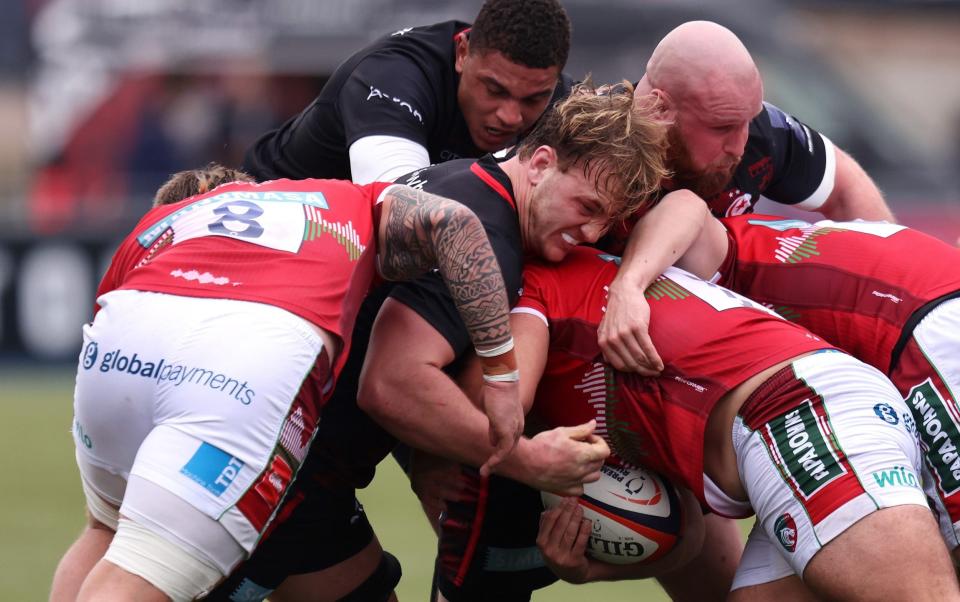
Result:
<point x="637" y="515"/>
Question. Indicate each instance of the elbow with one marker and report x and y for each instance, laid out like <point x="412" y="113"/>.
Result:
<point x="372" y="398"/>
<point x="684" y="197"/>
<point x="687" y="202"/>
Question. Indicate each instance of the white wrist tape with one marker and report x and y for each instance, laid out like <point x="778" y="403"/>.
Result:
<point x="495" y="351"/>
<point x="509" y="377"/>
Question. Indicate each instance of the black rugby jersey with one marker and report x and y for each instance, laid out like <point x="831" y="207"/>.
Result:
<point x="349" y="444"/>
<point x="403" y="84"/>
<point x="785" y="161"/>
<point x="483" y="187"/>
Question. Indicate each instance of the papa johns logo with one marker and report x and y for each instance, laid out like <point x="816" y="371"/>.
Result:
<point x="786" y="531"/>
<point x="90" y="355"/>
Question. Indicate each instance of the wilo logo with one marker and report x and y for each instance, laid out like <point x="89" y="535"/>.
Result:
<point x="898" y="476"/>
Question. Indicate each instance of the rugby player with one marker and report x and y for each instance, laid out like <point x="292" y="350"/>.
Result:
<point x="885" y="293"/>
<point x="423" y="95"/>
<point x="729" y="147"/>
<point x="222" y="325"/>
<point x="591" y="160"/>
<point x="750" y="412"/>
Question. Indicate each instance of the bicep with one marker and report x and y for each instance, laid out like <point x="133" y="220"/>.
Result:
<point x="392" y="348"/>
<point x="854" y="194"/>
<point x="708" y="251"/>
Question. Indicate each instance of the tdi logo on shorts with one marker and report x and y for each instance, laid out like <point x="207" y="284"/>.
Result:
<point x="802" y="450"/>
<point x="938" y="434"/>
<point x="213" y="468"/>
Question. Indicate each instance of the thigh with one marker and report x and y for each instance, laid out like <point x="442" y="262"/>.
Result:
<point x="831" y="449"/>
<point x="233" y="390"/>
<point x="351" y="579"/>
<point x="891" y="554"/>
<point x="103" y="491"/>
<point x="765" y="575"/>
<point x="488" y="542"/>
<point x="162" y="544"/>
<point x="760" y="563"/>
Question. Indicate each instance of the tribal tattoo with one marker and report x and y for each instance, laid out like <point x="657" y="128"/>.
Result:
<point x="424" y="231"/>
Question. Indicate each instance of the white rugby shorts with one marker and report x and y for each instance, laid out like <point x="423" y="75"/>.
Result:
<point x="928" y="376"/>
<point x="827" y="443"/>
<point x="201" y="397"/>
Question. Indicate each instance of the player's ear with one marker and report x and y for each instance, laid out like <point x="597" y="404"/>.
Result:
<point x="462" y="50"/>
<point x="664" y="105"/>
<point x="541" y="160"/>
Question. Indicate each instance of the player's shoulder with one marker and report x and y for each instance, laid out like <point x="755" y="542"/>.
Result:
<point x="423" y="45"/>
<point x="773" y="124"/>
<point x="477" y="183"/>
<point x="581" y="265"/>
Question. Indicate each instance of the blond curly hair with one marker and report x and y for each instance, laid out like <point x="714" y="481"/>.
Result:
<point x="617" y="140"/>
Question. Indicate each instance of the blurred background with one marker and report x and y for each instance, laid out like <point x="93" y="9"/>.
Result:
<point x="100" y="100"/>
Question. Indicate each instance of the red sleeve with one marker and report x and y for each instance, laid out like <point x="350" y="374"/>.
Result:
<point x="537" y="286"/>
<point x="123" y="261"/>
<point x="375" y="190"/>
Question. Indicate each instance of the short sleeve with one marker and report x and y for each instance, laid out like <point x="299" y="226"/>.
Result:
<point x="804" y="161"/>
<point x="535" y="292"/>
<point x="387" y="95"/>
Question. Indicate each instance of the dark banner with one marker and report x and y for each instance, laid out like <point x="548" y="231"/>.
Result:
<point x="47" y="289"/>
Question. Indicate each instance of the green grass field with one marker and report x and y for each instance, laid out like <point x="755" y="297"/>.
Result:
<point x="43" y="505"/>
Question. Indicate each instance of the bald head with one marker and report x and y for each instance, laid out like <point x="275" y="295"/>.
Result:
<point x="701" y="58"/>
<point x="710" y="89"/>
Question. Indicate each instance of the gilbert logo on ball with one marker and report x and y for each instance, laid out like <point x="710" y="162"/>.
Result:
<point x="637" y="515"/>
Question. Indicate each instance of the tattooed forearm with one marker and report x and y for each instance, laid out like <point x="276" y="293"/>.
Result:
<point x="425" y="231"/>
